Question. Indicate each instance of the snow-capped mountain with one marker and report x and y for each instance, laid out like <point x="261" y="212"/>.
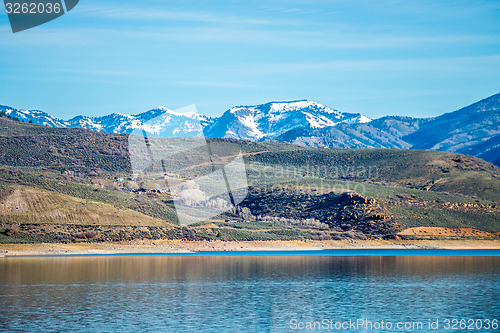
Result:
<point x="36" y="116"/>
<point x="270" y="120"/>
<point x="472" y="130"/>
<point x="254" y="123"/>
<point x="156" y="122"/>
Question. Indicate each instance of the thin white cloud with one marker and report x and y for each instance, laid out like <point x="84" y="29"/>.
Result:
<point x="450" y="64"/>
<point x="102" y="72"/>
<point x="145" y="14"/>
<point x="302" y="39"/>
<point x="42" y="36"/>
<point x="215" y="84"/>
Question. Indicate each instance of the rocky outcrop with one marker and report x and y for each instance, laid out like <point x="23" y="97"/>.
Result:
<point x="341" y="211"/>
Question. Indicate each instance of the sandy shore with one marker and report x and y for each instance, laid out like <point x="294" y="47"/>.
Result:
<point x="176" y="246"/>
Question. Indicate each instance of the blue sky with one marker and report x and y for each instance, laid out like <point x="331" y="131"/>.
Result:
<point x="417" y="58"/>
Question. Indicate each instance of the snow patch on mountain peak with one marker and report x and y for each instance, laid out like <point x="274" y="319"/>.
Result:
<point x="299" y="105"/>
<point x="249" y="122"/>
<point x="318" y="121"/>
<point x="189" y="114"/>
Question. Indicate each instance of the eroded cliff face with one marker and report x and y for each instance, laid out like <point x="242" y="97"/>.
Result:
<point x="342" y="211"/>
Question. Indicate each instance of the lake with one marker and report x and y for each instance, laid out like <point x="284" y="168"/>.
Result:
<point x="231" y="292"/>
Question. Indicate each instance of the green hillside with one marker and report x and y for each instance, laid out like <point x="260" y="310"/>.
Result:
<point x="63" y="184"/>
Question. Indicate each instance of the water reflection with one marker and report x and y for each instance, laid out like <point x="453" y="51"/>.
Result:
<point x="247" y="294"/>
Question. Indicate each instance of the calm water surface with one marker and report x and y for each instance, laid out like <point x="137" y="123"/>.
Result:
<point x="245" y="293"/>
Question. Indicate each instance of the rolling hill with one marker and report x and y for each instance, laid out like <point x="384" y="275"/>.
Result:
<point x="60" y="184"/>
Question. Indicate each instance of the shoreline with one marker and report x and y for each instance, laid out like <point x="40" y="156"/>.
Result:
<point x="179" y="247"/>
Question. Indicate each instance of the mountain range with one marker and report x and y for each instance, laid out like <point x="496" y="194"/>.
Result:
<point x="472" y="130"/>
